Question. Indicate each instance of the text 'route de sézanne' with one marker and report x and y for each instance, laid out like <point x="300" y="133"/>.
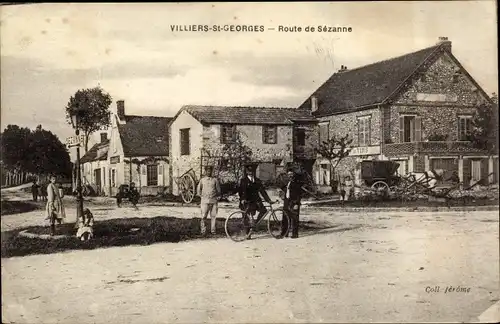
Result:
<point x="312" y="29"/>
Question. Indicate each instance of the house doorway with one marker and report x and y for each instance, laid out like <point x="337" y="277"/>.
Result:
<point x="475" y="171"/>
<point x="97" y="177"/>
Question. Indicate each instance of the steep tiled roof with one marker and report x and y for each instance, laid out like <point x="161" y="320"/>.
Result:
<point x="367" y="85"/>
<point x="248" y="115"/>
<point x="145" y="135"/>
<point x="97" y="152"/>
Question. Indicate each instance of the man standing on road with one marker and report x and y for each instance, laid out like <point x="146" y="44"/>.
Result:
<point x="250" y="190"/>
<point x="34" y="190"/>
<point x="291" y="203"/>
<point x="209" y="191"/>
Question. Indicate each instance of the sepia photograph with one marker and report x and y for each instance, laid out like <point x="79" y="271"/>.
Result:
<point x="263" y="162"/>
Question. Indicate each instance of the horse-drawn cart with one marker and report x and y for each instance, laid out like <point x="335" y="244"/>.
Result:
<point x="187" y="184"/>
<point x="383" y="180"/>
<point x="380" y="176"/>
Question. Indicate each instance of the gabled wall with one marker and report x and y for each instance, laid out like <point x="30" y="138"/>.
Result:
<point x="446" y="97"/>
<point x="182" y="163"/>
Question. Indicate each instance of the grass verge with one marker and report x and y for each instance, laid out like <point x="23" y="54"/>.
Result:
<point x="117" y="232"/>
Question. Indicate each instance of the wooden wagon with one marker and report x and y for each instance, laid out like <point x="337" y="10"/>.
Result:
<point x="380" y="175"/>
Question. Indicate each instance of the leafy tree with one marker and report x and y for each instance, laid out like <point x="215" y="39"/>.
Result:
<point x="229" y="158"/>
<point x="484" y="133"/>
<point x="95" y="115"/>
<point x="38" y="151"/>
<point x="48" y="154"/>
<point x="234" y="157"/>
<point x="335" y="150"/>
<point x="15" y="147"/>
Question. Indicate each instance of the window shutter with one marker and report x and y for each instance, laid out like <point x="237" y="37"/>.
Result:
<point x="222" y="129"/>
<point x="359" y="133"/>
<point x="369" y="135"/>
<point x="160" y="174"/>
<point x="144" y="175"/>
<point x="263" y="134"/>
<point x="418" y="129"/>
<point x="401" y="129"/>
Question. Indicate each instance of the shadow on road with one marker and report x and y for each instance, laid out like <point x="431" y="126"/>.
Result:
<point x="10" y="207"/>
<point x="131" y="231"/>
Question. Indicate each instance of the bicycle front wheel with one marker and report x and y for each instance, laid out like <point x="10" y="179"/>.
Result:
<point x="237" y="226"/>
<point x="278" y="223"/>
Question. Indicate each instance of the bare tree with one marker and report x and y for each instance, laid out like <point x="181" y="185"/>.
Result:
<point x="335" y="150"/>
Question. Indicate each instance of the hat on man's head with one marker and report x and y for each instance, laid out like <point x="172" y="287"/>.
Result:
<point x="251" y="166"/>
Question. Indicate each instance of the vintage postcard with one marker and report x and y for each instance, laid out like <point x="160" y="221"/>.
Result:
<point x="250" y="162"/>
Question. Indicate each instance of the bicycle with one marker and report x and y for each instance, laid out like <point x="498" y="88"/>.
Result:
<point x="240" y="224"/>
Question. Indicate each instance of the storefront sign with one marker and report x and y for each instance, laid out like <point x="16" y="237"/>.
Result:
<point x="365" y="150"/>
<point x="114" y="159"/>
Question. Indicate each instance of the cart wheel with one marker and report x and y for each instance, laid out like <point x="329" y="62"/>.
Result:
<point x="381" y="187"/>
<point x="187" y="188"/>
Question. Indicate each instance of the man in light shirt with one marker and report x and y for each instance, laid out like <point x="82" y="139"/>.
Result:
<point x="209" y="192"/>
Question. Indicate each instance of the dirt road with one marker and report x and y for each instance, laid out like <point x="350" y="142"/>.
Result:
<point x="367" y="267"/>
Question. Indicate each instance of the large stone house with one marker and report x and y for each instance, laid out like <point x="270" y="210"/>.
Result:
<point x="275" y="136"/>
<point x="138" y="152"/>
<point x="415" y="109"/>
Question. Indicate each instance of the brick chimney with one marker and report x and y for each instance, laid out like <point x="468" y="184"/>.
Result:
<point x="343" y="68"/>
<point x="104" y="137"/>
<point x="120" y="109"/>
<point x="443" y="41"/>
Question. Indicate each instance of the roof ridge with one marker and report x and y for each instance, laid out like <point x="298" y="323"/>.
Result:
<point x="141" y="116"/>
<point x="224" y="106"/>
<point x="388" y="59"/>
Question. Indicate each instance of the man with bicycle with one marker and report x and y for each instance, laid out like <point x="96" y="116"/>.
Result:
<point x="250" y="190"/>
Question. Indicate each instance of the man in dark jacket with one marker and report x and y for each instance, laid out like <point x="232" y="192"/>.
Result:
<point x="291" y="203"/>
<point x="34" y="190"/>
<point x="249" y="191"/>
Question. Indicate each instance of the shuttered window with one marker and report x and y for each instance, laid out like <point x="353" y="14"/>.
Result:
<point x="410" y="128"/>
<point x="185" y="141"/>
<point x="227" y="134"/>
<point x="269" y="134"/>
<point x="364" y="130"/>
<point x="464" y="127"/>
<point x="152" y="175"/>
<point x="324" y="130"/>
<point x="301" y="137"/>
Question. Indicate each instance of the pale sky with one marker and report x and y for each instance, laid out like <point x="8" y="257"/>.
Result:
<point x="49" y="51"/>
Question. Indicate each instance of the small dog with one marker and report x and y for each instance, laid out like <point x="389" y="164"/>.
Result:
<point x="85" y="228"/>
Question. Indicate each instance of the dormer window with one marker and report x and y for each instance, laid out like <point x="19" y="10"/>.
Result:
<point x="314" y="103"/>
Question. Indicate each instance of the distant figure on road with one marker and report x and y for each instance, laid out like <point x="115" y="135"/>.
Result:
<point x="129" y="192"/>
<point x="55" y="208"/>
<point x="34" y="190"/>
<point x="291" y="203"/>
<point x="42" y="191"/>
<point x="209" y="191"/>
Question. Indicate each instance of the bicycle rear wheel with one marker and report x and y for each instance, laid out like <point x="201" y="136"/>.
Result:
<point x="237" y="226"/>
<point x="278" y="223"/>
